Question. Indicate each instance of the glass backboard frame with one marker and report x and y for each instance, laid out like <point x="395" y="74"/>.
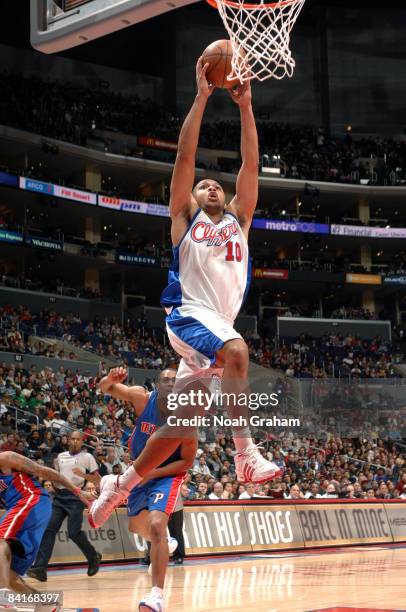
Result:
<point x="52" y="30"/>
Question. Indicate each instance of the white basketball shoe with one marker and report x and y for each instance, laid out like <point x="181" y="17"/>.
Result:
<point x="153" y="602"/>
<point x="251" y="466"/>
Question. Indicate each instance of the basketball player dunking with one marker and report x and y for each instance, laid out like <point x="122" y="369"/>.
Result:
<point x="207" y="284"/>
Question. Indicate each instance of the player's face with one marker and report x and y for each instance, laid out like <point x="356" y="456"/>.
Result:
<point x="166" y="382"/>
<point x="210" y="196"/>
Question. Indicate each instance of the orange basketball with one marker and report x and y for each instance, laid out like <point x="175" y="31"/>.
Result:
<point x="219" y="55"/>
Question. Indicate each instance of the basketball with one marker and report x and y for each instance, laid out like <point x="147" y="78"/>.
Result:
<point x="219" y="54"/>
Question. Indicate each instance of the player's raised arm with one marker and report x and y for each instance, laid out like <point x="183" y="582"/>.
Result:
<point x="181" y="199"/>
<point x="112" y="384"/>
<point x="245" y="200"/>
<point x="19" y="463"/>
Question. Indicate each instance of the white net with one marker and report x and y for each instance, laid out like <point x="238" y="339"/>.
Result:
<point x="260" y="35"/>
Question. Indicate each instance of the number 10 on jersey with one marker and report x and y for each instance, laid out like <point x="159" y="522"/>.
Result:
<point x="233" y="251"/>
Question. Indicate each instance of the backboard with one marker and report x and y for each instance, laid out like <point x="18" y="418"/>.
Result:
<point x="61" y="24"/>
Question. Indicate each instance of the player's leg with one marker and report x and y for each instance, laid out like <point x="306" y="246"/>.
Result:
<point x="162" y="498"/>
<point x="75" y="508"/>
<point x="158" y="535"/>
<point x="115" y="490"/>
<point x="251" y="466"/>
<point x="5" y="565"/>
<point x="39" y="567"/>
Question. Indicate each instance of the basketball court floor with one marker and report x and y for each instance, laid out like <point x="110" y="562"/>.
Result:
<point x="362" y="578"/>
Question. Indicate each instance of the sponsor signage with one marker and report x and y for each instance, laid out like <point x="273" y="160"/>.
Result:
<point x="106" y="541"/>
<point x="134" y="546"/>
<point x="132" y="206"/>
<point x="396" y="279"/>
<point x="9" y="179"/>
<point x="44" y="243"/>
<point x="397" y="520"/>
<point x="247" y="527"/>
<point x="77" y="195"/>
<point x="13" y="237"/>
<point x="368" y="232"/>
<point x="270" y="273"/>
<point x="216" y="529"/>
<point x="336" y="524"/>
<point x="154" y="143"/>
<point x="136" y="260"/>
<point x="271" y="527"/>
<point x="66" y="193"/>
<point x="107" y="202"/>
<point x="37" y="186"/>
<point x="284" y="225"/>
<point x="363" y="279"/>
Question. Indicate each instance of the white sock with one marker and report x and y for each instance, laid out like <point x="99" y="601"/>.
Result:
<point x="156" y="590"/>
<point x="242" y="439"/>
<point x="129" y="479"/>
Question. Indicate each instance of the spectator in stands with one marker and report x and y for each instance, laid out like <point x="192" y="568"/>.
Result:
<point x="217" y="492"/>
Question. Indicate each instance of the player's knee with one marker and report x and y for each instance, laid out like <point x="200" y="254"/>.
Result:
<point x="158" y="529"/>
<point x="236" y="354"/>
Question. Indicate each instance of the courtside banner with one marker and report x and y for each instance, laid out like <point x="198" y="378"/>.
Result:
<point x="368" y="232"/>
<point x="215" y="529"/>
<point x="270" y="273"/>
<point x="284" y="225"/>
<point x="340" y="524"/>
<point x="134" y="546"/>
<point x="397" y="520"/>
<point x="107" y="540"/>
<point x="256" y="525"/>
<point x="273" y="527"/>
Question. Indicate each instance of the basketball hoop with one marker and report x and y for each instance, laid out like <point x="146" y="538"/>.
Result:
<point x="260" y="34"/>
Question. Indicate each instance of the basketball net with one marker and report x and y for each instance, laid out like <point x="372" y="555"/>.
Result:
<point x="260" y="34"/>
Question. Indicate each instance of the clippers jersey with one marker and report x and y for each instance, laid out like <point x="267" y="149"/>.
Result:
<point x="18" y="486"/>
<point x="211" y="267"/>
<point x="147" y="423"/>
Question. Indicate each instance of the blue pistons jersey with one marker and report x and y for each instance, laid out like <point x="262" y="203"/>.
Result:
<point x="147" y="423"/>
<point x="28" y="510"/>
<point x="158" y="494"/>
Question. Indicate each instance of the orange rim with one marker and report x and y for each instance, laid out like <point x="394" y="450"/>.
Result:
<point x="252" y="7"/>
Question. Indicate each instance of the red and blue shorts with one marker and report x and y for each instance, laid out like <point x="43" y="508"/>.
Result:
<point x="23" y="526"/>
<point x="158" y="494"/>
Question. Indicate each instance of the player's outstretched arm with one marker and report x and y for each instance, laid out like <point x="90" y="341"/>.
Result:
<point x="245" y="200"/>
<point x="19" y="463"/>
<point x="188" y="455"/>
<point x="181" y="199"/>
<point x="112" y="384"/>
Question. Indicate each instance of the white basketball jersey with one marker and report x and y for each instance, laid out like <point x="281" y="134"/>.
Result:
<point x="211" y="267"/>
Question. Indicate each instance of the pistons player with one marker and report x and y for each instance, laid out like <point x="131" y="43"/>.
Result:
<point x="151" y="504"/>
<point x="208" y="280"/>
<point x="28" y="510"/>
